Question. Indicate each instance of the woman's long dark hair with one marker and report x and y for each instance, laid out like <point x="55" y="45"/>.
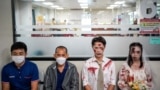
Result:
<point x="130" y="61"/>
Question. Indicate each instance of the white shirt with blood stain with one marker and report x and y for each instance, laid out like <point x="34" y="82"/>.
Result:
<point x="90" y="72"/>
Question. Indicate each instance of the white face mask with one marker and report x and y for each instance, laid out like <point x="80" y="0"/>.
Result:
<point x="60" y="60"/>
<point x="18" y="59"/>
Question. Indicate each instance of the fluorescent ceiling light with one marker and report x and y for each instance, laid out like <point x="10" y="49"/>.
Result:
<point x="119" y="2"/>
<point x="47" y="3"/>
<point x="125" y="5"/>
<point x="109" y="7"/>
<point x="114" y="5"/>
<point x="83" y="5"/>
<point x="60" y="8"/>
<point x="83" y="1"/>
<point x="55" y="6"/>
<point x="38" y="0"/>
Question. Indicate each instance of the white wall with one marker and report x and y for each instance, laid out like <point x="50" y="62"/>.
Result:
<point x="23" y="12"/>
<point x="5" y="32"/>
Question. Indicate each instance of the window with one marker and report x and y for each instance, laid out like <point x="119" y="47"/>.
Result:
<point x="43" y="25"/>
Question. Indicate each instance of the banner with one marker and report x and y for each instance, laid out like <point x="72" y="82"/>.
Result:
<point x="149" y="26"/>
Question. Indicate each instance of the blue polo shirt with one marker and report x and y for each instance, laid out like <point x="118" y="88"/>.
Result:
<point x="60" y="77"/>
<point x="20" y="79"/>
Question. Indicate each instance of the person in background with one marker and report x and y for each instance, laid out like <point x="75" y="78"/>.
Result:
<point x="20" y="74"/>
<point x="135" y="70"/>
<point x="135" y="21"/>
<point x="53" y="21"/>
<point x="98" y="72"/>
<point x="61" y="75"/>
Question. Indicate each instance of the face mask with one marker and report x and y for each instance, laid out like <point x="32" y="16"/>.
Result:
<point x="60" y="60"/>
<point x="18" y="59"/>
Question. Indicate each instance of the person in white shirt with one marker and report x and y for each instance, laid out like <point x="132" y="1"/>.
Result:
<point x="91" y="77"/>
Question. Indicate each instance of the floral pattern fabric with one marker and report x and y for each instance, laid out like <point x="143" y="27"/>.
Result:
<point x="130" y="79"/>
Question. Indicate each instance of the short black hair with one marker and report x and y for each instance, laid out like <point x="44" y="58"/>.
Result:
<point x="19" y="45"/>
<point x="99" y="39"/>
<point x="61" y="47"/>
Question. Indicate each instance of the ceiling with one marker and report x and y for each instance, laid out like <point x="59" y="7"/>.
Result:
<point x="73" y="4"/>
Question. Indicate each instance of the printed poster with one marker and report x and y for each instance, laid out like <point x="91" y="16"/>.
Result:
<point x="150" y="26"/>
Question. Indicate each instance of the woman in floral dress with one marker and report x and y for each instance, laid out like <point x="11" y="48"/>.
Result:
<point x="135" y="74"/>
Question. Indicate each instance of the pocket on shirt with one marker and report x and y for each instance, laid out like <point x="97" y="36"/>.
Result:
<point x="27" y="78"/>
<point x="12" y="78"/>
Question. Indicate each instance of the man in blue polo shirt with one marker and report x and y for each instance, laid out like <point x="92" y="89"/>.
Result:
<point x="61" y="75"/>
<point x="19" y="74"/>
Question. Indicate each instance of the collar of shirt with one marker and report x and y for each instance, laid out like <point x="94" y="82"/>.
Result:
<point x="65" y="67"/>
<point x="104" y="59"/>
<point x="21" y="66"/>
<point x="60" y="77"/>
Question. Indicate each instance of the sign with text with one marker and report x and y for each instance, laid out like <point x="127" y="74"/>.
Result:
<point x="155" y="40"/>
<point x="150" y="26"/>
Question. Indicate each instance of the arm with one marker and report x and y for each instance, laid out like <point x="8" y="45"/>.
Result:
<point x="47" y="80"/>
<point x="34" y="85"/>
<point x="111" y="87"/>
<point x="35" y="78"/>
<point x="5" y="80"/>
<point x="85" y="78"/>
<point x="122" y="80"/>
<point x="149" y="77"/>
<point x="87" y="87"/>
<point x="5" y="86"/>
<point x="75" y="80"/>
<point x="112" y="77"/>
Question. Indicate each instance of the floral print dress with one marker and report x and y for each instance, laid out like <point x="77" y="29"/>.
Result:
<point x="130" y="79"/>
